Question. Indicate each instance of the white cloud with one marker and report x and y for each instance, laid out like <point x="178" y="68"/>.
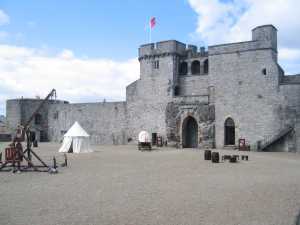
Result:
<point x="215" y="18"/>
<point x="289" y="54"/>
<point x="4" y="18"/>
<point x="290" y="58"/>
<point x="66" y="54"/>
<point x="231" y="21"/>
<point x="30" y="72"/>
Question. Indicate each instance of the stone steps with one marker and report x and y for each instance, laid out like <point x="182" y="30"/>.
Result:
<point x="269" y="141"/>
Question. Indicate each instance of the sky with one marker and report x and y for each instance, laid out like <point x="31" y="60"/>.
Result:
<point x="87" y="50"/>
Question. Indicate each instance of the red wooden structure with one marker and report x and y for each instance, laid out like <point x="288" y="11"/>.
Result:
<point x="242" y="145"/>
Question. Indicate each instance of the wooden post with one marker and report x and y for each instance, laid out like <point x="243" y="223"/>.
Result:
<point x="54" y="162"/>
<point x="66" y="160"/>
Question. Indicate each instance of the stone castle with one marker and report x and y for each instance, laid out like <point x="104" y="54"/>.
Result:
<point x="190" y="98"/>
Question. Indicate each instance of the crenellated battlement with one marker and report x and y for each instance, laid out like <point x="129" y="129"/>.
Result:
<point x="263" y="37"/>
<point x="168" y="48"/>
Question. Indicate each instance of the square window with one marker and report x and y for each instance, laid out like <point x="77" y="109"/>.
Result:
<point x="155" y="64"/>
<point x="55" y="115"/>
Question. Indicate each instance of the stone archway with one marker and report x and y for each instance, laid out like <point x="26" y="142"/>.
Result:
<point x="190" y="133"/>
<point x="229" y="132"/>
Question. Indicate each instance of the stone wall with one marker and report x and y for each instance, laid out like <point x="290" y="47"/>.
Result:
<point x="291" y="79"/>
<point x="244" y="83"/>
<point x="105" y="122"/>
<point x="291" y="93"/>
<point x="13" y="113"/>
<point x="193" y="85"/>
<point x="19" y="111"/>
<point x="245" y="94"/>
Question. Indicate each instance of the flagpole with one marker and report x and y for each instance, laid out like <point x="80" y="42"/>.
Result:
<point x="150" y="33"/>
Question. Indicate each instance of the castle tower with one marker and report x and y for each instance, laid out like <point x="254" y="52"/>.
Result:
<point x="266" y="35"/>
<point x="159" y="63"/>
<point x="148" y="97"/>
<point x="246" y="80"/>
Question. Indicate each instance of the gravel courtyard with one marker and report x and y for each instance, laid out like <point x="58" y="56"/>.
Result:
<point x="121" y="185"/>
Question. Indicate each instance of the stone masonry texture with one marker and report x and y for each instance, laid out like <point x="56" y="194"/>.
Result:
<point x="241" y="81"/>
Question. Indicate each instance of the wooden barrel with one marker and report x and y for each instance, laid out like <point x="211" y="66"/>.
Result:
<point x="237" y="157"/>
<point x="245" y="157"/>
<point x="215" y="157"/>
<point x="207" y="155"/>
<point x="35" y="143"/>
<point x="233" y="159"/>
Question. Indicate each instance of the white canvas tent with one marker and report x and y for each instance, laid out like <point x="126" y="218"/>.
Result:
<point x="77" y="139"/>
<point x="144" y="137"/>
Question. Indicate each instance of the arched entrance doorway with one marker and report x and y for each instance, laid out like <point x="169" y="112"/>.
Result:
<point x="229" y="132"/>
<point x="190" y="133"/>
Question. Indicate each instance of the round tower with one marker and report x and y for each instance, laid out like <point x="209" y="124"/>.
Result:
<point x="267" y="34"/>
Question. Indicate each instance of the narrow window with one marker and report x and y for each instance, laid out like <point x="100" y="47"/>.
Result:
<point x="55" y="115"/>
<point x="176" y="91"/>
<point x="155" y="64"/>
<point x="183" y="68"/>
<point x="38" y="119"/>
<point x="154" y="138"/>
<point x="196" y="67"/>
<point x="264" y="71"/>
<point x="206" y="66"/>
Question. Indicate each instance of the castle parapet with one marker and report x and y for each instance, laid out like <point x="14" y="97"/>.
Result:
<point x="163" y="47"/>
<point x="168" y="47"/>
<point x="263" y="37"/>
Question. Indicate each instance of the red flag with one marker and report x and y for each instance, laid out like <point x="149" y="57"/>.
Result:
<point x="152" y="22"/>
